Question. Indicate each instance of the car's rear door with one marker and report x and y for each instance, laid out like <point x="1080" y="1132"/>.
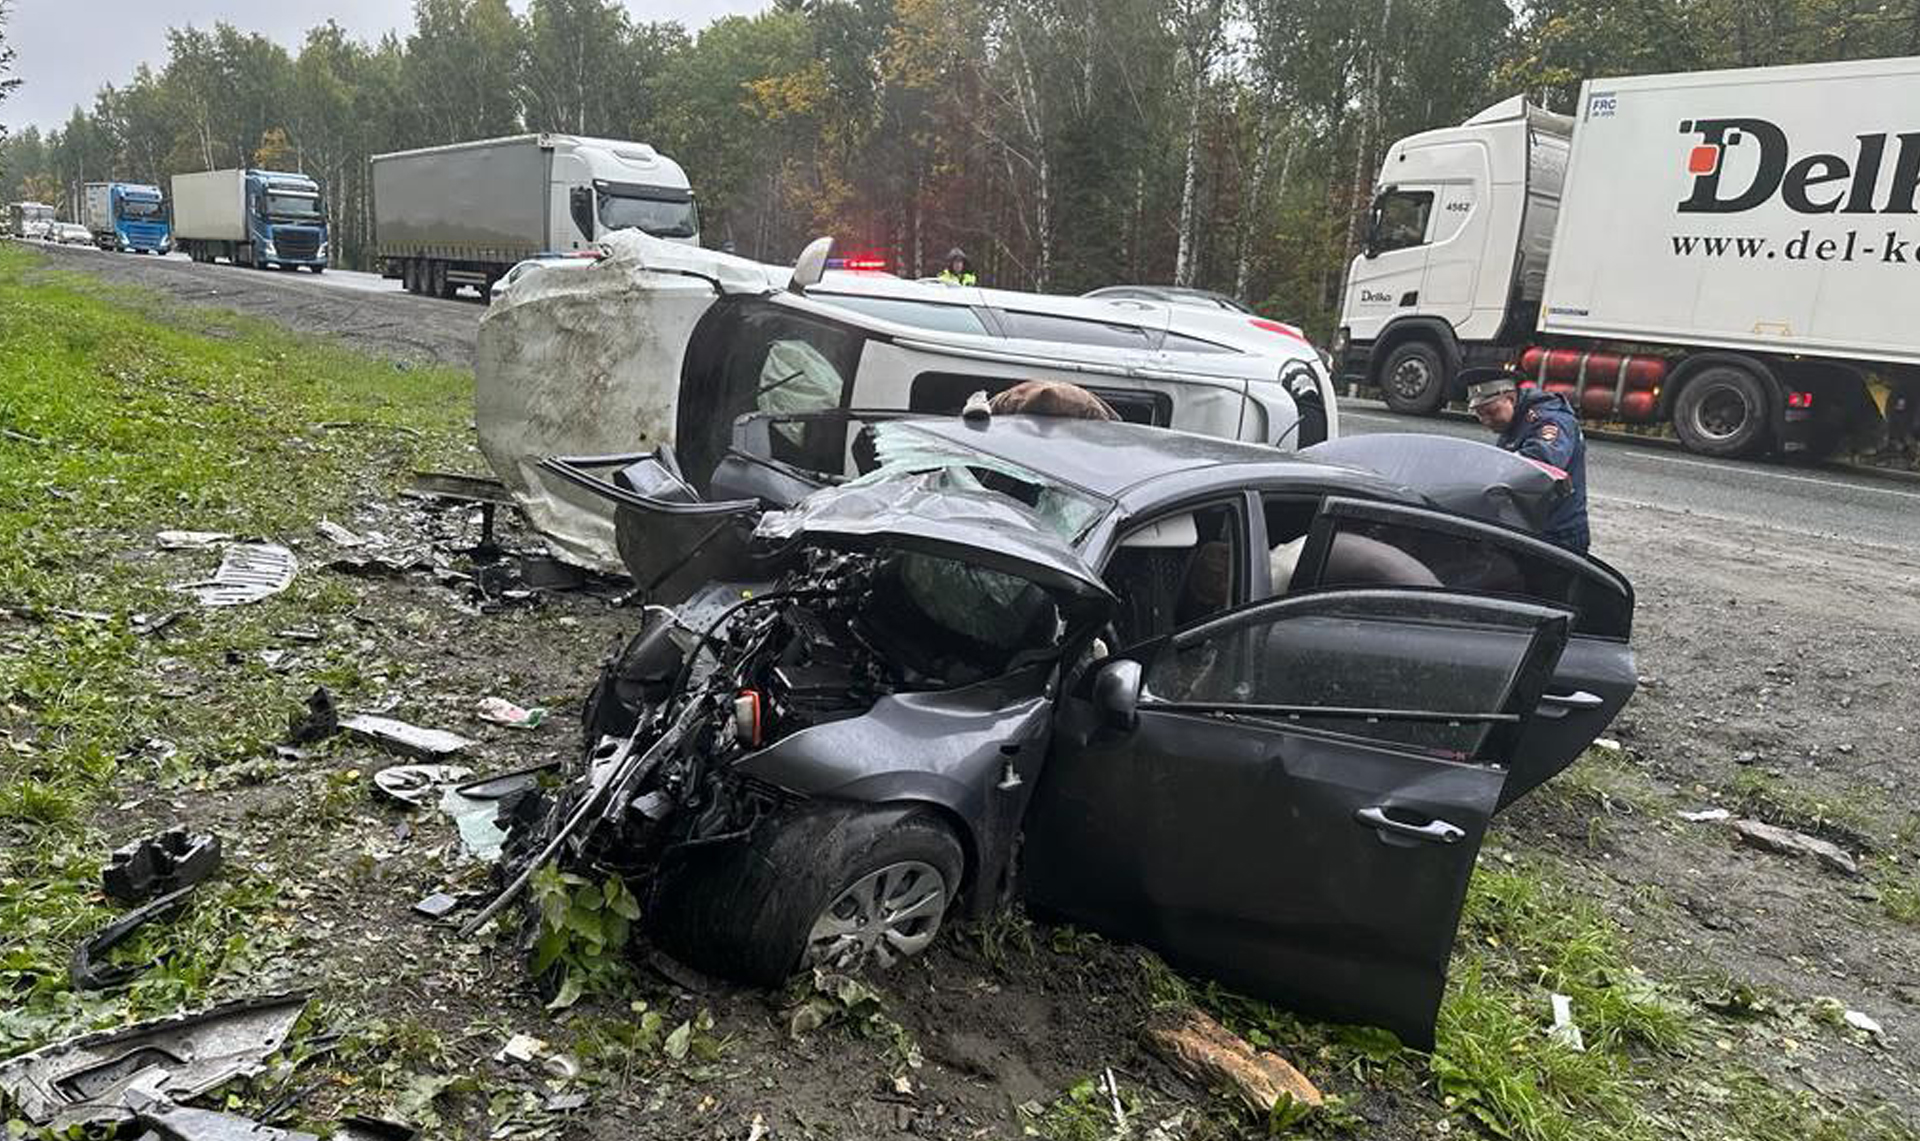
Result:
<point x="1596" y="675"/>
<point x="1297" y="807"/>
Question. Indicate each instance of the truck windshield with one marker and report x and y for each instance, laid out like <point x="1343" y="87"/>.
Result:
<point x="296" y="207"/>
<point x="139" y="208"/>
<point x="664" y="217"/>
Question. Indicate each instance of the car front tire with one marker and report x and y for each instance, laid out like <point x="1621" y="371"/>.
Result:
<point x="840" y="887"/>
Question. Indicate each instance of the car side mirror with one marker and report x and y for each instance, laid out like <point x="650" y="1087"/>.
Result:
<point x="1116" y="693"/>
<point x="580" y="205"/>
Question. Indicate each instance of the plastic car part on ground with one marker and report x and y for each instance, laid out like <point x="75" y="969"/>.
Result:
<point x="416" y="784"/>
<point x="427" y="744"/>
<point x="86" y="1079"/>
<point x="165" y="862"/>
<point x="87" y="969"/>
<point x="248" y="572"/>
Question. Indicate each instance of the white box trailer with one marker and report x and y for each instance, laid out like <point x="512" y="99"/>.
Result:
<point x="210" y="206"/>
<point x="1730" y="252"/>
<point x="464" y="214"/>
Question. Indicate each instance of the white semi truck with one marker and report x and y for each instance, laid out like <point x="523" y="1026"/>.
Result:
<point x="466" y="213"/>
<point x="1729" y="251"/>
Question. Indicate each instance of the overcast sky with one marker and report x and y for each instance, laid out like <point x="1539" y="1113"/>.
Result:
<point x="68" y="48"/>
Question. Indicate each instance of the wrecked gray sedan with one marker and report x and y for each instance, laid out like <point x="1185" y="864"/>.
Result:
<point x="1253" y="710"/>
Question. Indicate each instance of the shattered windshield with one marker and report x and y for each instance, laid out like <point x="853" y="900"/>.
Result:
<point x="904" y="451"/>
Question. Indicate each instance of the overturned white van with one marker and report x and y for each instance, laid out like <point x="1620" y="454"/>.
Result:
<point x="655" y="343"/>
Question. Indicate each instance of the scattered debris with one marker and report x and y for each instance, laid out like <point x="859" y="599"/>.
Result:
<point x="337" y="535"/>
<point x="189" y="1124"/>
<point x="1787" y="842"/>
<point x="544" y="572"/>
<point x="503" y="785"/>
<point x="1606" y="744"/>
<point x="437" y="905"/>
<point x="1861" y="1021"/>
<point x="522" y="1048"/>
<point x="298" y="635"/>
<point x="145" y="624"/>
<point x="1211" y="1055"/>
<point x="86" y="1079"/>
<point x="568" y="1102"/>
<point x="362" y="1128"/>
<point x="415" y="784"/>
<point x="391" y="564"/>
<point x="500" y="711"/>
<point x="189" y="540"/>
<point x="478" y="821"/>
<point x="1706" y="816"/>
<point x="1564" y="1030"/>
<point x="404" y="738"/>
<point x="248" y="572"/>
<point x="88" y="970"/>
<point x="166" y="862"/>
<point x="320" y="721"/>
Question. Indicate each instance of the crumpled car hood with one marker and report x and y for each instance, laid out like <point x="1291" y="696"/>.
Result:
<point x="975" y="527"/>
<point x="1475" y="479"/>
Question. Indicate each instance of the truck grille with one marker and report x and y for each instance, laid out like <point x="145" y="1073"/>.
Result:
<point x="298" y="245"/>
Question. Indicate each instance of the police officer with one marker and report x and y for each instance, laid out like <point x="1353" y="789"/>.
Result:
<point x="1542" y="426"/>
<point x="959" y="270"/>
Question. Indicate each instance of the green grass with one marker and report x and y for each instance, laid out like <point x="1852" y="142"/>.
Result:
<point x="116" y="422"/>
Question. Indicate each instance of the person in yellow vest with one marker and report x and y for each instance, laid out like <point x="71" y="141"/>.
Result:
<point x="959" y="270"/>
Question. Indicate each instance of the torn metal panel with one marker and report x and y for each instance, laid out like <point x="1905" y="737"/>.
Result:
<point x="248" y="572"/>
<point x="86" y="1079"/>
<point x="88" y="970"/>
<point x="162" y="863"/>
<point x="404" y="738"/>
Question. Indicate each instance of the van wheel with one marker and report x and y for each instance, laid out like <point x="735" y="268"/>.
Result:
<point x="1414" y="379"/>
<point x="1722" y="412"/>
<point x="842" y="888"/>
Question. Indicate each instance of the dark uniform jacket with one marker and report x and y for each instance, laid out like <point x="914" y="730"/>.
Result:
<point x="1545" y="428"/>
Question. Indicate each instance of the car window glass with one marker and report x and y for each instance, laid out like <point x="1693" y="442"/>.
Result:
<point x="947" y="392"/>
<point x="902" y="311"/>
<point x="1400" y="219"/>
<point x="1366" y="552"/>
<point x="1073" y="330"/>
<point x="754" y="356"/>
<point x="1162" y="588"/>
<point x="1329" y="670"/>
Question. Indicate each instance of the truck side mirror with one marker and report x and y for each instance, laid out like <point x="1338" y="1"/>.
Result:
<point x="580" y="204"/>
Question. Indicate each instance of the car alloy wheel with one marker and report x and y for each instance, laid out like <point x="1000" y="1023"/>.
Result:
<point x="886" y="915"/>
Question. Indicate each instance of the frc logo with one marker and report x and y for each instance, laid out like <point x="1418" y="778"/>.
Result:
<point x="1811" y="184"/>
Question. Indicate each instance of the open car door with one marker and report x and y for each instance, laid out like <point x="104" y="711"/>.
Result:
<point x="1289" y="797"/>
<point x="1596" y="675"/>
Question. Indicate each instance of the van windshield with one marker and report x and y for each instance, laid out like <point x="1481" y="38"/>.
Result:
<point x="671" y="215"/>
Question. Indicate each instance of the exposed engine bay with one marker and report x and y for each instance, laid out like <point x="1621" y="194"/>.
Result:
<point x="737" y="669"/>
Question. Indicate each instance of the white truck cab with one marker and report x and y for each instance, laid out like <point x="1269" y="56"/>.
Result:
<point x="1456" y="251"/>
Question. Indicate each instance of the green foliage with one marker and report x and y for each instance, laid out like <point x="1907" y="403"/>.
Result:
<point x="1083" y="1113"/>
<point x="583" y="932"/>
<point x="825" y="1000"/>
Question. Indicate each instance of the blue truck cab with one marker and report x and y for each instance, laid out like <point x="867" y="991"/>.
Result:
<point x="287" y="219"/>
<point x="128" y="216"/>
<point x="251" y="217"/>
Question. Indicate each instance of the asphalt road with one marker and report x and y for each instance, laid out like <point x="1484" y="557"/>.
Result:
<point x="1820" y="504"/>
<point x="375" y="315"/>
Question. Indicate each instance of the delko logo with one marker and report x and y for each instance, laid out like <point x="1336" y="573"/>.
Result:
<point x="1812" y="184"/>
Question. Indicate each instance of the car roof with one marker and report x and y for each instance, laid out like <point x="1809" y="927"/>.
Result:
<point x="1110" y="458"/>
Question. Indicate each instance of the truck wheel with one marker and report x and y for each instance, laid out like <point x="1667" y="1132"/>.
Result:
<point x="1414" y="379"/>
<point x="836" y="887"/>
<point x="1722" y="412"/>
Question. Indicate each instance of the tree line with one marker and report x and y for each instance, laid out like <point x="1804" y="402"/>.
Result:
<point x="1064" y="144"/>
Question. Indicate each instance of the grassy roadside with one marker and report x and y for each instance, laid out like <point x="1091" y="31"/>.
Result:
<point x="113" y="426"/>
